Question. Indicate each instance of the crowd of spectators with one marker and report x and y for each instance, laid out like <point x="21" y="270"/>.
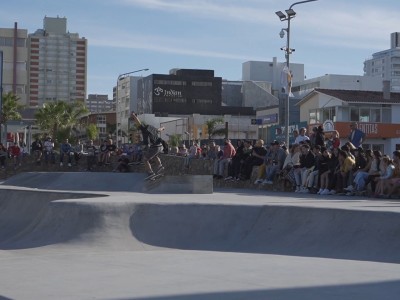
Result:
<point x="312" y="164"/>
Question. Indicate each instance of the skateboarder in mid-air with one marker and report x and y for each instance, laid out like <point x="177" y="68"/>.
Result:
<point x="151" y="146"/>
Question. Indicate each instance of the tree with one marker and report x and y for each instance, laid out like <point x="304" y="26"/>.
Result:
<point x="212" y="129"/>
<point x="11" y="109"/>
<point x="59" y="118"/>
<point x="92" y="132"/>
<point x="175" y="140"/>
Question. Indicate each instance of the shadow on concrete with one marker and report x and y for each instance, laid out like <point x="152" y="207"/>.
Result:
<point x="30" y="219"/>
<point x="281" y="230"/>
<point x="368" y="291"/>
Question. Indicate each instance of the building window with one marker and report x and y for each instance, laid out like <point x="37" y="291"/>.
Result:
<point x="202" y="101"/>
<point x="313" y="117"/>
<point x="364" y="115"/>
<point x="170" y="82"/>
<point x="21" y="42"/>
<point x="319" y="116"/>
<point x="369" y="114"/>
<point x="354" y="114"/>
<point x="169" y="100"/>
<point x="201" y="83"/>
<point x="6" y="41"/>
<point x="101" y="119"/>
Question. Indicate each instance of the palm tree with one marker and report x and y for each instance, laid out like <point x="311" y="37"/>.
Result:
<point x="59" y="118"/>
<point x="212" y="129"/>
<point x="11" y="109"/>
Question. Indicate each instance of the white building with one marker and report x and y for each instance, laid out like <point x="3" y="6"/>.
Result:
<point x="338" y="82"/>
<point x="376" y="113"/>
<point x="57" y="64"/>
<point x="271" y="71"/>
<point x="386" y="64"/>
<point x="126" y="99"/>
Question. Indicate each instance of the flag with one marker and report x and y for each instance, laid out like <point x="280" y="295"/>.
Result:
<point x="286" y="81"/>
<point x="24" y="137"/>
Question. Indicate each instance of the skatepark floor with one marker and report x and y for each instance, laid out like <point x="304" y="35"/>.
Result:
<point x="70" y="237"/>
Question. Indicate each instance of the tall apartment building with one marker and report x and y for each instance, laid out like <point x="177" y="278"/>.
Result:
<point x="13" y="44"/>
<point x="125" y="98"/>
<point x="99" y="103"/>
<point x="386" y="64"/>
<point x="57" y="64"/>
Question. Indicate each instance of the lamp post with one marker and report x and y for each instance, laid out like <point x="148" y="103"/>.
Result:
<point x="290" y="14"/>
<point x="189" y="137"/>
<point x="121" y="76"/>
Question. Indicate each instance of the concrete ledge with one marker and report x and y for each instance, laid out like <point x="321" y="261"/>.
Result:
<point x="174" y="166"/>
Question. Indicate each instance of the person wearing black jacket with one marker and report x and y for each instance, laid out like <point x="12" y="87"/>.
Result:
<point x="256" y="158"/>
<point x="320" y="136"/>
<point x="37" y="149"/>
<point x="151" y="146"/>
<point x="237" y="160"/>
<point x="326" y="167"/>
<point x="307" y="164"/>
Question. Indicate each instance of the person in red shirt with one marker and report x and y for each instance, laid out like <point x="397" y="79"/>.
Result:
<point x="15" y="153"/>
<point x="221" y="163"/>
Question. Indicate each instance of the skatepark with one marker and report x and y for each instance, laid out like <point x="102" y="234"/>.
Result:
<point x="113" y="236"/>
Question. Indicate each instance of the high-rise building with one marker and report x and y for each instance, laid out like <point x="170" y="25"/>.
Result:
<point x="15" y="56"/>
<point x="57" y="64"/>
<point x="386" y="64"/>
<point x="99" y="103"/>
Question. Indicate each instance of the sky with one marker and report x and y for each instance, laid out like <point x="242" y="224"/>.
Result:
<point x="329" y="36"/>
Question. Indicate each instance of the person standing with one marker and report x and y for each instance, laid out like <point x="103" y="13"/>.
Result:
<point x="356" y="136"/>
<point x="151" y="144"/>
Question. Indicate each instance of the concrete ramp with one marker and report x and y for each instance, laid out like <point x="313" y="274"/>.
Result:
<point x="281" y="230"/>
<point x="79" y="181"/>
<point x="31" y="219"/>
<point x="112" y="182"/>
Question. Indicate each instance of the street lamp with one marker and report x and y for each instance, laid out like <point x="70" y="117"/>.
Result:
<point x="121" y="76"/>
<point x="189" y="137"/>
<point x="290" y="14"/>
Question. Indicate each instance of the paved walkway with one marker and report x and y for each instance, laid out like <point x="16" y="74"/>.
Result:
<point x="61" y="243"/>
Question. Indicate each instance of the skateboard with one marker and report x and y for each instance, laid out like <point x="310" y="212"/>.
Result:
<point x="155" y="177"/>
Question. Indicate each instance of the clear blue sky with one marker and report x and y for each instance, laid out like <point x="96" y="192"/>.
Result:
<point x="330" y="36"/>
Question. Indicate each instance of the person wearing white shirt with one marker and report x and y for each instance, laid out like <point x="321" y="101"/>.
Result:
<point x="302" y="136"/>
